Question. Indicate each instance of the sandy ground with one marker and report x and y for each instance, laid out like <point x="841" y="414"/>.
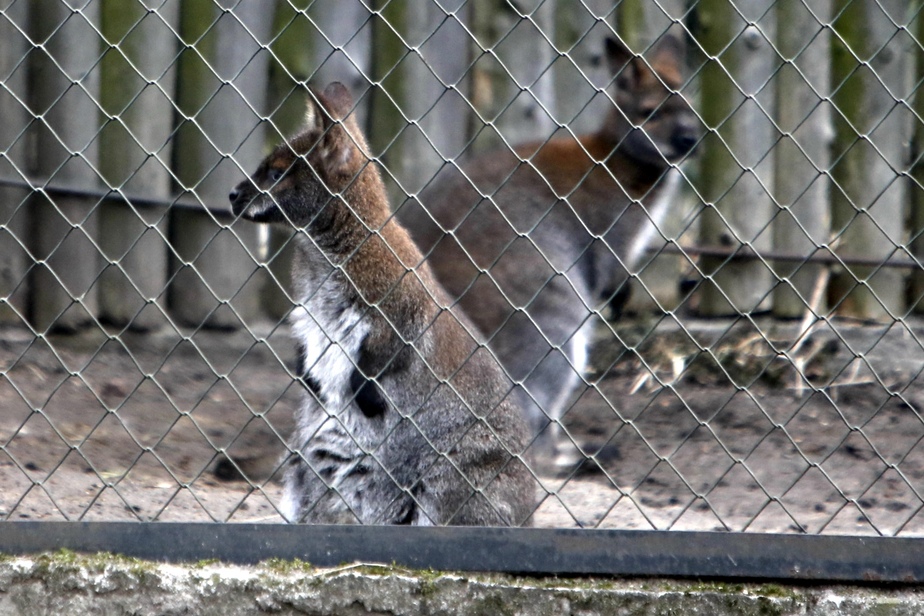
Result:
<point x="705" y="426"/>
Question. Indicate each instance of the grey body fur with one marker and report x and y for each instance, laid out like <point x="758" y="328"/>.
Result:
<point x="406" y="420"/>
<point x="534" y="242"/>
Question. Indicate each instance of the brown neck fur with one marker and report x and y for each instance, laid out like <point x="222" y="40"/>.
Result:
<point x="568" y="163"/>
<point x="375" y="251"/>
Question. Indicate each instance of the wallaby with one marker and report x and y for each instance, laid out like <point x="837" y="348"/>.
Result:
<point x="406" y="420"/>
<point x="533" y="242"/>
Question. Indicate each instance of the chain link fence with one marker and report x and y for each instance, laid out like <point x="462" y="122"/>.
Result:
<point x="689" y="231"/>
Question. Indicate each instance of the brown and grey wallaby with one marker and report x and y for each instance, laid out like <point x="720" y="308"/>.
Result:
<point x="405" y="419"/>
<point x="533" y="242"/>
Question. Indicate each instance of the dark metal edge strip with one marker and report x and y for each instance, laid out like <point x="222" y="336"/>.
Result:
<point x="509" y="550"/>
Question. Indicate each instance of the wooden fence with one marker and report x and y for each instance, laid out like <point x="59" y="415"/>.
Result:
<point x="125" y="124"/>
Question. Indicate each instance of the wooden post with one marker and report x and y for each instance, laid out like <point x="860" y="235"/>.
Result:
<point x="385" y="121"/>
<point x="290" y="71"/>
<point x="519" y="58"/>
<point x="917" y="169"/>
<point x="631" y="23"/>
<point x="801" y="186"/>
<point x="316" y="42"/>
<point x="871" y="146"/>
<point x="640" y="23"/>
<point x="290" y="68"/>
<point x="138" y="79"/>
<point x="440" y="116"/>
<point x="222" y="91"/>
<point x="581" y="77"/>
<point x="65" y="87"/>
<point x="736" y="165"/>
<point x="414" y="122"/>
<point x="14" y="260"/>
<point x="341" y="46"/>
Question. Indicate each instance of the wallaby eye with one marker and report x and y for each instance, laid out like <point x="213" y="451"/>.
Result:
<point x="275" y="175"/>
<point x="647" y="112"/>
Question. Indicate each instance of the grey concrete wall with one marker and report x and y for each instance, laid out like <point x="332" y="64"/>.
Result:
<point x="65" y="583"/>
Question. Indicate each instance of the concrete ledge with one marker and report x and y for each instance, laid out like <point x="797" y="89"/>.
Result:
<point x="66" y="583"/>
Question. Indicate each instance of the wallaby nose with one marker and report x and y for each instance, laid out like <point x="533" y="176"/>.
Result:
<point x="238" y="199"/>
<point x="684" y="140"/>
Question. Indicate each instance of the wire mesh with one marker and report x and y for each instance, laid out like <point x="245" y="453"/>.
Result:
<point x="701" y="313"/>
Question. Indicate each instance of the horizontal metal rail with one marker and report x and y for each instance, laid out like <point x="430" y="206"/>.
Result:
<point x="106" y="194"/>
<point x="596" y="552"/>
<point x="822" y="255"/>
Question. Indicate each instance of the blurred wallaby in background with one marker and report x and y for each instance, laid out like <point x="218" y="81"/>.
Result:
<point x="531" y="242"/>
<point x="406" y="420"/>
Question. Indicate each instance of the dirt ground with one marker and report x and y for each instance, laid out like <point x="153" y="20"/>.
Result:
<point x="704" y="426"/>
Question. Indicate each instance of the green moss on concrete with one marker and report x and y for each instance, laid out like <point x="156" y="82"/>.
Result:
<point x="65" y="560"/>
<point x="283" y="566"/>
<point x="94" y="583"/>
<point x="730" y="588"/>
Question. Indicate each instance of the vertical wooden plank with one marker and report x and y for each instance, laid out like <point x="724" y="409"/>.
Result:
<point x="313" y="42"/>
<point x="14" y="259"/>
<point x="438" y="115"/>
<point x="642" y="22"/>
<point x="290" y="71"/>
<point x="513" y="84"/>
<point x="341" y="47"/>
<point x="389" y="85"/>
<point x="138" y="79"/>
<point x="916" y="186"/>
<point x="419" y="116"/>
<point x="802" y="157"/>
<point x="65" y="87"/>
<point x="870" y="151"/>
<point x="582" y="75"/>
<point x="290" y="68"/>
<point x="222" y="91"/>
<point x="442" y="113"/>
<point x="736" y="170"/>
<point x="631" y="23"/>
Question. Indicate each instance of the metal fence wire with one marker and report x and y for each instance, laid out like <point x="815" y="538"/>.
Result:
<point x="688" y="233"/>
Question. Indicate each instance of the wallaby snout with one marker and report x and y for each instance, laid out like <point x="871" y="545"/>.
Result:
<point x="687" y="134"/>
<point x="685" y="139"/>
<point x="236" y="197"/>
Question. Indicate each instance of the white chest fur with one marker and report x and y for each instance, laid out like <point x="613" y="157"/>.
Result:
<point x="657" y="212"/>
<point x="330" y="333"/>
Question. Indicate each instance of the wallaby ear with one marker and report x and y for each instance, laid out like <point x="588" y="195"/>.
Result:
<point x="327" y="115"/>
<point x="669" y="55"/>
<point x="670" y="47"/>
<point x="314" y="117"/>
<point x="627" y="68"/>
<point x="630" y="70"/>
<point x="334" y="104"/>
<point x="617" y="54"/>
<point x="337" y="100"/>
